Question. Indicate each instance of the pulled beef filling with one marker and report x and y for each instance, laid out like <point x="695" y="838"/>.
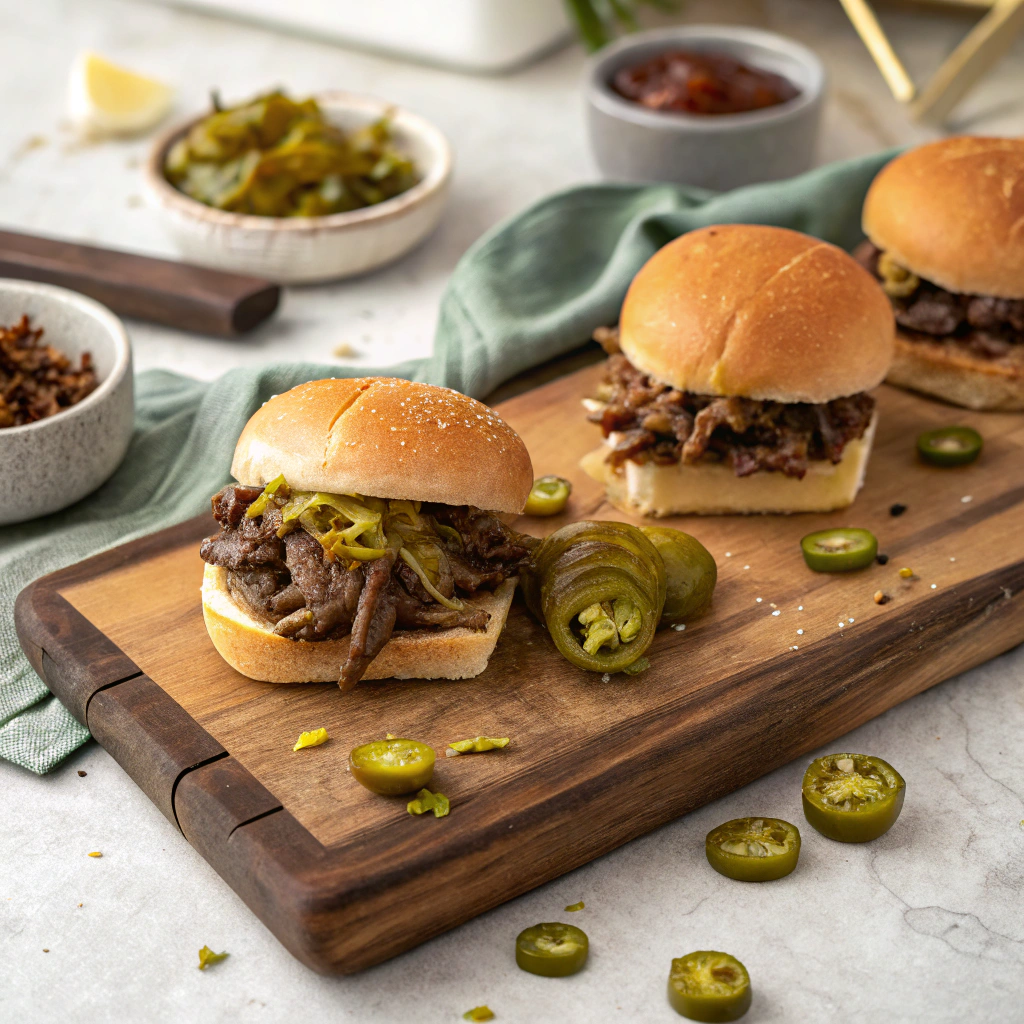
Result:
<point x="655" y="422"/>
<point x="290" y="582"/>
<point x="986" y="325"/>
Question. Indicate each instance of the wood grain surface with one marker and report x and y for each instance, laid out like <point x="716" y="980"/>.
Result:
<point x="187" y="297"/>
<point x="345" y="878"/>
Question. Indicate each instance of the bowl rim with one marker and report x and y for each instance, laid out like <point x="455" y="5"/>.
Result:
<point x="602" y="96"/>
<point x="83" y="305"/>
<point x="434" y="179"/>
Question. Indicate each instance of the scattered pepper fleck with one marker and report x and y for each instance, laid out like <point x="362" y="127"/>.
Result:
<point x="478" y="745"/>
<point x="82" y="774"/>
<point x="897" y="509"/>
<point x="426" y="801"/>
<point x="882" y="559"/>
<point x="311" y="739"/>
<point x="95" y="853"/>
<point x="906" y="573"/>
<point x="573" y="907"/>
<point x="207" y="957"/>
<point x="479" y="1013"/>
<point x="881" y="597"/>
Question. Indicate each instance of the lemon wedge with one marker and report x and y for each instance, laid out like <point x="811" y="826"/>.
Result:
<point x="105" y="99"/>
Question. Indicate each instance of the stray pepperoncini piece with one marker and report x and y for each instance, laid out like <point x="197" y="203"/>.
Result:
<point x="897" y="281"/>
<point x="207" y="957"/>
<point x="573" y="907"/>
<point x="311" y="739"/>
<point x="277" y="486"/>
<point x="479" y="1013"/>
<point x="477" y="745"/>
<point x="426" y="801"/>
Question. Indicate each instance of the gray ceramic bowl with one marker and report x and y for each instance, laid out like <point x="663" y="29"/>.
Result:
<point x="50" y="464"/>
<point x="632" y="143"/>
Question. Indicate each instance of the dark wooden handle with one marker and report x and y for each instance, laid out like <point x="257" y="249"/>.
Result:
<point x="177" y="294"/>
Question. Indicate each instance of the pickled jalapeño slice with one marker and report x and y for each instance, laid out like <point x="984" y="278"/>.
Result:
<point x="393" y="766"/>
<point x="709" y="986"/>
<point x="552" y="950"/>
<point x="839" y="549"/>
<point x="949" y="446"/>
<point x="852" y="798"/>
<point x="753" y="849"/>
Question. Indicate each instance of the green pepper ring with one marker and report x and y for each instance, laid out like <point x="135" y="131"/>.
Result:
<point x="548" y="496"/>
<point x="745" y="867"/>
<point x="370" y="766"/>
<point x="707" y="985"/>
<point x="840" y="549"/>
<point x="950" y="446"/>
<point x="857" y="824"/>
<point x="552" y="949"/>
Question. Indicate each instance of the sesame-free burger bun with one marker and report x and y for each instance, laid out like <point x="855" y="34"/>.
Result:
<point x="952" y="212"/>
<point x="386" y="438"/>
<point x="758" y="312"/>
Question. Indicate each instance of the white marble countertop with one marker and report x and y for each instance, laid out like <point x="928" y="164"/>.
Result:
<point x="924" y="924"/>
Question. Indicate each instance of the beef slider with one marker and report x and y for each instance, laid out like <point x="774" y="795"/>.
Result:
<point x="944" y="239"/>
<point x="282" y="607"/>
<point x="738" y="379"/>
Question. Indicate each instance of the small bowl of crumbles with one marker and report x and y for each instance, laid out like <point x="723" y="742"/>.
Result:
<point x="66" y="402"/>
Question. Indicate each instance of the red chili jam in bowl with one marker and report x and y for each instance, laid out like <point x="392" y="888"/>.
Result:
<point x="682" y="81"/>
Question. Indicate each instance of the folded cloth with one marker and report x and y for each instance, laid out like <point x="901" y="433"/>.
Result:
<point x="529" y="290"/>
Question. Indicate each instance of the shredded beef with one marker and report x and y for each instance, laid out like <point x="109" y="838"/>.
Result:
<point x="243" y="543"/>
<point x="330" y="590"/>
<point x="292" y="584"/>
<point x="374" y="621"/>
<point x="655" y="422"/>
<point x="985" y="325"/>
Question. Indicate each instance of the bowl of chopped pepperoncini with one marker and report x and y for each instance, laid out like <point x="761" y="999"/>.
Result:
<point x="300" y="190"/>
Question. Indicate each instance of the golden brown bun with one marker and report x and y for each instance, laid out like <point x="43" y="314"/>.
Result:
<point x="953" y="212"/>
<point x="947" y="370"/>
<point x="712" y="488"/>
<point x="252" y="649"/>
<point x="759" y="312"/>
<point x="386" y="438"/>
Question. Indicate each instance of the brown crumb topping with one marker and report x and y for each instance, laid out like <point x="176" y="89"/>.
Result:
<point x="38" y="380"/>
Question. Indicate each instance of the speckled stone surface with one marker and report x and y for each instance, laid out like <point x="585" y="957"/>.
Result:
<point x="50" y="464"/>
<point x="924" y="925"/>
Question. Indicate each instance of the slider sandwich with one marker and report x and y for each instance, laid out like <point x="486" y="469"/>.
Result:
<point x="946" y="229"/>
<point x="363" y="538"/>
<point x="738" y="378"/>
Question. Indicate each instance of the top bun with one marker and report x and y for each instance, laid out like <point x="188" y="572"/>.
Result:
<point x="953" y="213"/>
<point x="386" y="438"/>
<point x="757" y="312"/>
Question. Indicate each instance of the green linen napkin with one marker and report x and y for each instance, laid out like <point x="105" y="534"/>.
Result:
<point x="528" y="291"/>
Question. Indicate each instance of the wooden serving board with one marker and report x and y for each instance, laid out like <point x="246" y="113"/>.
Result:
<point x="346" y="879"/>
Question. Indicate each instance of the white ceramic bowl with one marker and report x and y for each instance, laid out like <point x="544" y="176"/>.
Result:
<point x="52" y="463"/>
<point x="303" y="250"/>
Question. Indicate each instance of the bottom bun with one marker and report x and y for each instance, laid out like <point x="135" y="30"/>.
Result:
<point x="248" y="646"/>
<point x="712" y="488"/>
<point x="947" y="369"/>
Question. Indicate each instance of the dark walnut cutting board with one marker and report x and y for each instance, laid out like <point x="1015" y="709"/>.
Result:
<point x="346" y="879"/>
